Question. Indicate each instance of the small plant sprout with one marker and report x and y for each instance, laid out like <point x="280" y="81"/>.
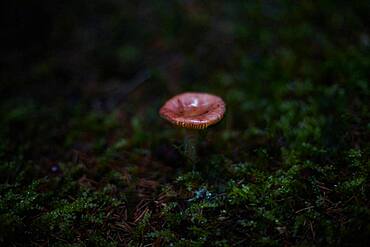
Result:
<point x="193" y="112"/>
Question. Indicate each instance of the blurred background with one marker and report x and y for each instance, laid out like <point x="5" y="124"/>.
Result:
<point x="82" y="81"/>
<point x="59" y="49"/>
<point x="132" y="55"/>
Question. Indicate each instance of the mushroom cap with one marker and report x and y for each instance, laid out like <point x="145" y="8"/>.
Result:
<point x="193" y="110"/>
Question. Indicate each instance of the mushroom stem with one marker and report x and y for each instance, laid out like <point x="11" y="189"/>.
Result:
<point x="190" y="147"/>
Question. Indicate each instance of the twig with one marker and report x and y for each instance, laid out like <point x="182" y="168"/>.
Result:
<point x="303" y="209"/>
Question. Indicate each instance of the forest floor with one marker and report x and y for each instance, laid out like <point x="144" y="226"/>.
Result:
<point x="86" y="160"/>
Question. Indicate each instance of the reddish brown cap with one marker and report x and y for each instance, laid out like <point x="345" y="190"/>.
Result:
<point x="193" y="110"/>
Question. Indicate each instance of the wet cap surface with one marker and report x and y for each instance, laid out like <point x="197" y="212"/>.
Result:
<point x="193" y="110"/>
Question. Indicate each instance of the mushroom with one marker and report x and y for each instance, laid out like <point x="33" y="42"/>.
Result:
<point x="193" y="111"/>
